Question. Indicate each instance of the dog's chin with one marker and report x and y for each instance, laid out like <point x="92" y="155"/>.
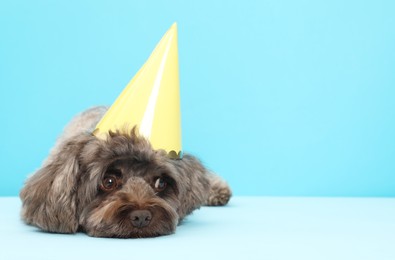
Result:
<point x="112" y="218"/>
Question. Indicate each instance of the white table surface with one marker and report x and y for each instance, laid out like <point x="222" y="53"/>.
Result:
<point x="248" y="228"/>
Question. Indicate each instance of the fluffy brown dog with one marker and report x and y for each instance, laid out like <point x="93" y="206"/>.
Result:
<point x="119" y="187"/>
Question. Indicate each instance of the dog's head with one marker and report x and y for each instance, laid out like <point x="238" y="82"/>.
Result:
<point x="118" y="187"/>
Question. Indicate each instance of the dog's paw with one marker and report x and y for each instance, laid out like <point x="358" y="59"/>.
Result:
<point x="220" y="193"/>
<point x="220" y="197"/>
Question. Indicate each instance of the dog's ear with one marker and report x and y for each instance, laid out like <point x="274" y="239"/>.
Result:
<point x="49" y="196"/>
<point x="198" y="186"/>
<point x="193" y="184"/>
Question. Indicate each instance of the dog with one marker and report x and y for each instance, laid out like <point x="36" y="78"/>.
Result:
<point x="115" y="187"/>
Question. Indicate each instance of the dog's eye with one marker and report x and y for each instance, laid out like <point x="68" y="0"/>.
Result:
<point x="160" y="184"/>
<point x="109" y="183"/>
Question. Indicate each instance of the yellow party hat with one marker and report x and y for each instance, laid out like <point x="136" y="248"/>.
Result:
<point x="151" y="100"/>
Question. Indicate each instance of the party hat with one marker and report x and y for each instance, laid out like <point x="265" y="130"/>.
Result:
<point x="151" y="100"/>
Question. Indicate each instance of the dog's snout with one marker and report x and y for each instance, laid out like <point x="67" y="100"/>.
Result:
<point x="140" y="218"/>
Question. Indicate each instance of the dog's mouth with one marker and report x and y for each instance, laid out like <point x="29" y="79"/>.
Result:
<point x="152" y="218"/>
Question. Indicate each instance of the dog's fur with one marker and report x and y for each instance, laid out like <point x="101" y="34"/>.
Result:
<point x="151" y="196"/>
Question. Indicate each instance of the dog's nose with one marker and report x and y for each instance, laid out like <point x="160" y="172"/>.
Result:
<point x="141" y="218"/>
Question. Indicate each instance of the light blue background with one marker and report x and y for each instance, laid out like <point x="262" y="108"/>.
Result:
<point x="279" y="97"/>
